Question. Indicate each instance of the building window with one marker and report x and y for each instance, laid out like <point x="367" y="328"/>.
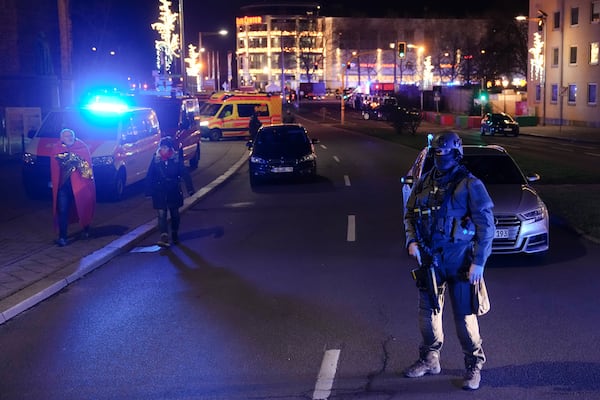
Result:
<point x="595" y="12"/>
<point x="554" y="93"/>
<point x="555" y="57"/>
<point x="556" y="20"/>
<point x="594" y="53"/>
<point x="574" y="16"/>
<point x="572" y="93"/>
<point x="592" y="93"/>
<point x="573" y="55"/>
<point x="538" y="93"/>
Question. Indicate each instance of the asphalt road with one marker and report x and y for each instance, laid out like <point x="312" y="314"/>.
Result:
<point x="296" y="291"/>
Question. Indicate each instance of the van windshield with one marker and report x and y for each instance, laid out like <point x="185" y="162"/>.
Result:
<point x="209" y="109"/>
<point x="86" y="125"/>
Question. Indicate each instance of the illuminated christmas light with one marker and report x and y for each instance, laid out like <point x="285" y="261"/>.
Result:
<point x="193" y="61"/>
<point x="537" y="58"/>
<point x="167" y="48"/>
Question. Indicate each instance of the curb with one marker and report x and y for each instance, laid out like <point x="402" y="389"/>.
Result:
<point x="55" y="282"/>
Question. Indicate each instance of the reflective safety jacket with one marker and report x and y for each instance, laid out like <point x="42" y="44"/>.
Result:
<point x="450" y="209"/>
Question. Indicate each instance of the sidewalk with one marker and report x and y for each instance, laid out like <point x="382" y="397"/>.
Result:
<point x="569" y="133"/>
<point x="33" y="268"/>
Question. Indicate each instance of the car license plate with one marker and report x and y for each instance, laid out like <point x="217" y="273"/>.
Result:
<point x="282" y="169"/>
<point x="501" y="234"/>
<point x="508" y="129"/>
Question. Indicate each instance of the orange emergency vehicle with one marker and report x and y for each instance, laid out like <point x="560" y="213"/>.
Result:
<point x="227" y="114"/>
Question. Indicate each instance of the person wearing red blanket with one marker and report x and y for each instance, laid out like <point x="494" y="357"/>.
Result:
<point x="73" y="187"/>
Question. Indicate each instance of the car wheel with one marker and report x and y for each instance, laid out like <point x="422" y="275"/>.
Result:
<point x="196" y="158"/>
<point x="254" y="181"/>
<point x="215" y="135"/>
<point x="118" y="187"/>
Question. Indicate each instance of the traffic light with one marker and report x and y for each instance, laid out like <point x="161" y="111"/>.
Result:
<point x="316" y="65"/>
<point x="540" y="24"/>
<point x="401" y="49"/>
<point x="348" y="65"/>
<point x="483" y="96"/>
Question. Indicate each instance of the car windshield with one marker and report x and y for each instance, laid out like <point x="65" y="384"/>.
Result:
<point x="272" y="140"/>
<point x="492" y="169"/>
<point x="87" y="125"/>
<point x="502" y="117"/>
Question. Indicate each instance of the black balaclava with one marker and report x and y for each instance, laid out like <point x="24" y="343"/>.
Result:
<point x="445" y="163"/>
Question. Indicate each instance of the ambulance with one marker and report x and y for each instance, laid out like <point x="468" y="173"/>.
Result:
<point x="227" y="114"/>
<point x="122" y="141"/>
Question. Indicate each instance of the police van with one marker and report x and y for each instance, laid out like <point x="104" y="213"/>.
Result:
<point x="227" y="114"/>
<point x="121" y="140"/>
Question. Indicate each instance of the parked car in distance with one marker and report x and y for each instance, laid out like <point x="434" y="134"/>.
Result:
<point x="283" y="150"/>
<point x="503" y="123"/>
<point x="520" y="215"/>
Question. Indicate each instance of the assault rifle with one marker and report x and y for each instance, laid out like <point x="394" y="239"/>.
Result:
<point x="425" y="279"/>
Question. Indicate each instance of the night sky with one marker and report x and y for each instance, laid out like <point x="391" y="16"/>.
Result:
<point x="124" y="25"/>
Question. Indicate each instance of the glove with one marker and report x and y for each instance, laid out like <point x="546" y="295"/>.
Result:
<point x="475" y="273"/>
<point x="413" y="251"/>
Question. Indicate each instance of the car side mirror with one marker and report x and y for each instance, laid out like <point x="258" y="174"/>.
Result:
<point x="533" y="177"/>
<point x="407" y="180"/>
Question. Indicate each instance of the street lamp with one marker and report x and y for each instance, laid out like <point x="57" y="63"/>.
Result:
<point x="182" y="50"/>
<point x="541" y="20"/>
<point x="222" y="32"/>
<point x="393" y="47"/>
<point x="504" y="85"/>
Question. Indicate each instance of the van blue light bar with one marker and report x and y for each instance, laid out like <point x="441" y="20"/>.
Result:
<point x="106" y="104"/>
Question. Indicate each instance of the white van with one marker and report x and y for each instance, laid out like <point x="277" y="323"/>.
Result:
<point x="121" y="143"/>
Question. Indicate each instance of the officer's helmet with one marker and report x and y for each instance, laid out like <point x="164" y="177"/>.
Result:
<point x="445" y="142"/>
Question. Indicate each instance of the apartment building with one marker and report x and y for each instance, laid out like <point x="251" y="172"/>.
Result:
<point x="350" y="52"/>
<point x="564" y="75"/>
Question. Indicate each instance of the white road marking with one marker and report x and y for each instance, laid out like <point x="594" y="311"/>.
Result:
<point x="323" y="147"/>
<point x="593" y="154"/>
<point x="346" y="180"/>
<point x="147" y="249"/>
<point x="241" y="204"/>
<point x="326" y="375"/>
<point x="336" y="158"/>
<point x="562" y="149"/>
<point x="351" y="233"/>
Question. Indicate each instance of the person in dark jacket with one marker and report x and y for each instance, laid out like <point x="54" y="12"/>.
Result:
<point x="163" y="183"/>
<point x="449" y="225"/>
<point x="254" y="125"/>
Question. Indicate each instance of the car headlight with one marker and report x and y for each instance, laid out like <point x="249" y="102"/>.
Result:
<point x="104" y="160"/>
<point x="29" y="158"/>
<point x="535" y="215"/>
<point x="308" y="157"/>
<point x="204" y="123"/>
<point x="257" y="160"/>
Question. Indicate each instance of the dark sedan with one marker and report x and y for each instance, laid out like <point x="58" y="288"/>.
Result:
<point x="284" y="150"/>
<point x="502" y="123"/>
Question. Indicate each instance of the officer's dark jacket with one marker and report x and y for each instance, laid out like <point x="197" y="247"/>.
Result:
<point x="465" y="217"/>
<point x="163" y="181"/>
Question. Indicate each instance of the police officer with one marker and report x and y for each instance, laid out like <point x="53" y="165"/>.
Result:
<point x="449" y="221"/>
